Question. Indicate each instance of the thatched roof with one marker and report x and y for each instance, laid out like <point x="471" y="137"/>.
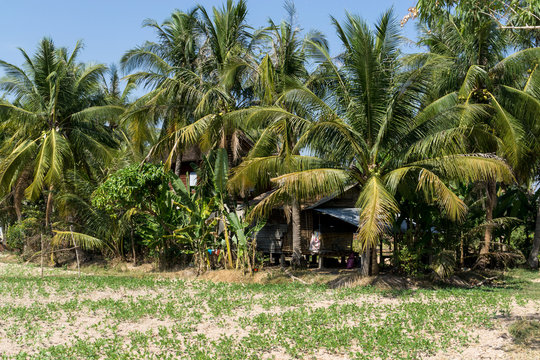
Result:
<point x="192" y="154"/>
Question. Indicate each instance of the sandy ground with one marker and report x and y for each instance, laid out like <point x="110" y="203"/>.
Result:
<point x="495" y="343"/>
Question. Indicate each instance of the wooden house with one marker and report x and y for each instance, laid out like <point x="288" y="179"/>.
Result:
<point x="333" y="219"/>
<point x="185" y="169"/>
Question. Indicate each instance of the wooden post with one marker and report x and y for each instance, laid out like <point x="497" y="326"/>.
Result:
<point x="76" y="250"/>
<point x="321" y="262"/>
<point x="133" y="244"/>
<point x="461" y="254"/>
<point x="381" y="251"/>
<point x="41" y="237"/>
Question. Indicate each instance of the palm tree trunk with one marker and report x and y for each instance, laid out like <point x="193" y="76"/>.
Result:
<point x="3" y="231"/>
<point x="374" y="268"/>
<point x="296" y="233"/>
<point x="370" y="266"/>
<point x="533" y="256"/>
<point x="48" y="209"/>
<point x="18" y="192"/>
<point x="366" y="261"/>
<point x="491" y="202"/>
<point x="461" y="253"/>
<point x="178" y="164"/>
<point x="17" y="205"/>
<point x="227" y="242"/>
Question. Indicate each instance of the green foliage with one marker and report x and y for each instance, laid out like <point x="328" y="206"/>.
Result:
<point x="409" y="260"/>
<point x="419" y="134"/>
<point x="76" y="239"/>
<point x="19" y="233"/>
<point x="55" y="120"/>
<point x="444" y="263"/>
<point x="143" y="195"/>
<point x="244" y="238"/>
<point x="133" y="186"/>
<point x="15" y="237"/>
<point x="374" y="130"/>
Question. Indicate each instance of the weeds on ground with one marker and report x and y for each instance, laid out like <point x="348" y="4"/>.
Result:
<point x="121" y="317"/>
<point x="526" y="332"/>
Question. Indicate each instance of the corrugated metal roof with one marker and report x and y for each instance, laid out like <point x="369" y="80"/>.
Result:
<point x="350" y="215"/>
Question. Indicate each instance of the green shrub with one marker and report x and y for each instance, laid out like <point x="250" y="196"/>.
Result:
<point x="15" y="237"/>
<point x="18" y="233"/>
<point x="409" y="260"/>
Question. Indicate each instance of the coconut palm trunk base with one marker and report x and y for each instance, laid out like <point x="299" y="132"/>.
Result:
<point x="491" y="203"/>
<point x="369" y="266"/>
<point x="296" y="261"/>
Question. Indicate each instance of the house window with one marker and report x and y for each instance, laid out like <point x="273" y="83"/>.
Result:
<point x="192" y="179"/>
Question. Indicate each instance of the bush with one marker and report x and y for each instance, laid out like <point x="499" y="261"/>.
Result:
<point x="18" y="233"/>
<point x="410" y="260"/>
<point x="15" y="237"/>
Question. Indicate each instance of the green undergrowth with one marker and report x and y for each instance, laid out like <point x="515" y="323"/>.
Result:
<point x="123" y="317"/>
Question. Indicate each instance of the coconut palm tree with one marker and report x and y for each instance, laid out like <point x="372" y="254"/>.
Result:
<point x="195" y="73"/>
<point x="480" y="73"/>
<point x="374" y="129"/>
<point x="59" y="117"/>
<point x="520" y="102"/>
<point x="273" y="150"/>
<point x="227" y="65"/>
<point x="171" y="69"/>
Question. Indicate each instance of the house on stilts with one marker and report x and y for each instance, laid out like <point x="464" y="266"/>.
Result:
<point x="328" y="227"/>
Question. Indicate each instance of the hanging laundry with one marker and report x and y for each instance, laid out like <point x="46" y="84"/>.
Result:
<point x="315" y="242"/>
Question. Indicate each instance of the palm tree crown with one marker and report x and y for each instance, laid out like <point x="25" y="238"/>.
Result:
<point x="57" y="118"/>
<point x="375" y="130"/>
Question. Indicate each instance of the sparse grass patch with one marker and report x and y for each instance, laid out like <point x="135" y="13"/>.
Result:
<point x="123" y="317"/>
<point x="526" y="332"/>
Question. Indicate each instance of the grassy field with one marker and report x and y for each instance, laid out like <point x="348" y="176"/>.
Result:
<point x="126" y="317"/>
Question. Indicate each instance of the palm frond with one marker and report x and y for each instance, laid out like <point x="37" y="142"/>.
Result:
<point x="435" y="190"/>
<point x="84" y="241"/>
<point x="20" y="157"/>
<point x="378" y="208"/>
<point x="468" y="168"/>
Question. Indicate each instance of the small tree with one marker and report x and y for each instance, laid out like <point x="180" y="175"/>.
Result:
<point x="143" y="192"/>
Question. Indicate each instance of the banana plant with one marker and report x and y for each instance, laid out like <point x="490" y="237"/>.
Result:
<point x="244" y="237"/>
<point x="213" y="174"/>
<point x="199" y="228"/>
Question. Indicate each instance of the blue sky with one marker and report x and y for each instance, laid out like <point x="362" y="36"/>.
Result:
<point x="109" y="28"/>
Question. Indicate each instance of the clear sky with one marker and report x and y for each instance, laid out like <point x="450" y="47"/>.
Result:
<point x="109" y="28"/>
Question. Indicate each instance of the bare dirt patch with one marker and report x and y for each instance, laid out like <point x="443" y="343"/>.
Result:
<point x="497" y="343"/>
